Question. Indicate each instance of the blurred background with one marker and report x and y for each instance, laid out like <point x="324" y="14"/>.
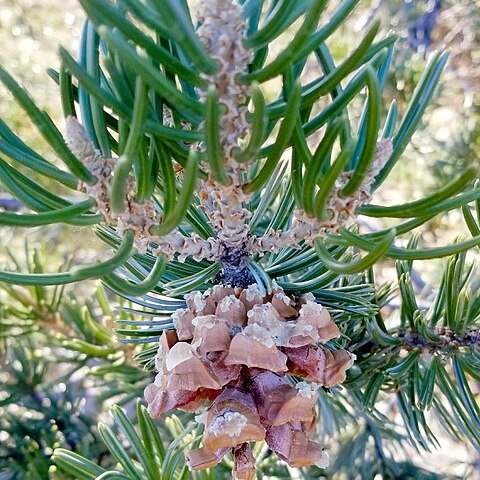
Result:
<point x="30" y="33"/>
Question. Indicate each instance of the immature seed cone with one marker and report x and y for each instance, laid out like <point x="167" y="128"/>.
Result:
<point x="235" y="349"/>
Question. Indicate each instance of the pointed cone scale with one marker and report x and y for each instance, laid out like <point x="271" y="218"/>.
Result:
<point x="224" y="373"/>
<point x="293" y="446"/>
<point x="284" y="305"/>
<point x="187" y="371"/>
<point x="280" y="403"/>
<point x="338" y="362"/>
<point x="319" y="364"/>
<point x="245" y="350"/>
<point x="182" y="319"/>
<point x="211" y="334"/>
<point x="251" y="296"/>
<point x="233" y="310"/>
<point x="161" y="401"/>
<point x="202" y="458"/>
<point x="318" y="317"/>
<point x="219" y="292"/>
<point x="230" y="422"/>
<point x="243" y="463"/>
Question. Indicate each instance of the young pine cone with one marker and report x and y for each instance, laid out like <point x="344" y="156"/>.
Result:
<point x="234" y="349"/>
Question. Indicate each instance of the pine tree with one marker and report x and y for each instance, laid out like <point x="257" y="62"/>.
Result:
<point x="244" y="276"/>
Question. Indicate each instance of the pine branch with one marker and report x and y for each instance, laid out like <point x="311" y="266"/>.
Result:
<point x="235" y="234"/>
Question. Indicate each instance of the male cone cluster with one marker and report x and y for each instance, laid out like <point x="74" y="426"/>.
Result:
<point x="234" y="349"/>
